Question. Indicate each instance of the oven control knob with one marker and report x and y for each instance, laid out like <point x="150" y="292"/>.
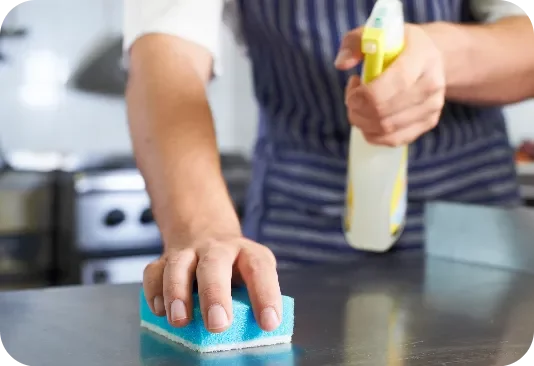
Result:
<point x="100" y="277"/>
<point x="147" y="217"/>
<point x="114" y="218"/>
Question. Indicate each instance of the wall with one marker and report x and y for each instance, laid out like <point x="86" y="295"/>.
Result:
<point x="38" y="112"/>
<point x="521" y="121"/>
<point x="235" y="111"/>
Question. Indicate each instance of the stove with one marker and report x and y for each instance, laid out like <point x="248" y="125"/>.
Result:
<point x="107" y="233"/>
<point x="25" y="229"/>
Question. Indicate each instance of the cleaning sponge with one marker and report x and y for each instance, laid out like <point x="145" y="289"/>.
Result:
<point x="243" y="333"/>
<point x="158" y="350"/>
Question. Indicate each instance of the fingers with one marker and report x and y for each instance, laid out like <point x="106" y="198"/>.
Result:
<point x="178" y="279"/>
<point x="365" y="100"/>
<point x="406" y="100"/>
<point x="214" y="278"/>
<point x="392" y="93"/>
<point x="350" y="51"/>
<point x="399" y="77"/>
<point x="168" y="284"/>
<point x="404" y="135"/>
<point x="376" y="123"/>
<point x="153" y="286"/>
<point x="421" y="111"/>
<point x="258" y="268"/>
<point x="428" y="84"/>
<point x="353" y="83"/>
<point x="418" y="60"/>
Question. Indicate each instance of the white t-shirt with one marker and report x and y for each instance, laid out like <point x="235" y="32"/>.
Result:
<point x="200" y="21"/>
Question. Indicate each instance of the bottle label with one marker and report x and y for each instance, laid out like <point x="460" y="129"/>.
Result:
<point x="399" y="199"/>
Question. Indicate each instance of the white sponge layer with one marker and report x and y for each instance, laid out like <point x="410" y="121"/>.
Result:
<point x="265" y="341"/>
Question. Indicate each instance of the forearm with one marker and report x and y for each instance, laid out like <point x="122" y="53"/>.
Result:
<point x="489" y="63"/>
<point x="175" y="145"/>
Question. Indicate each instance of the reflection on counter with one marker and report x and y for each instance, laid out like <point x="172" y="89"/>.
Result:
<point x="380" y="309"/>
<point x="481" y="299"/>
<point x="483" y="293"/>
<point x="158" y="351"/>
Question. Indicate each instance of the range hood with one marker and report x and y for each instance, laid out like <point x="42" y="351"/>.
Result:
<point x="101" y="70"/>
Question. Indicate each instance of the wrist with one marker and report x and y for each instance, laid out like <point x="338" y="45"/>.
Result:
<point x="455" y="47"/>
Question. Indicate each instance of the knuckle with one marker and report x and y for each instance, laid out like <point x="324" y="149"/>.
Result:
<point x="255" y="265"/>
<point x="435" y="83"/>
<point x="212" y="293"/>
<point x="353" y="120"/>
<point x="393" y="142"/>
<point x="174" y="287"/>
<point x="268" y="255"/>
<point x="175" y="259"/>
<point x="438" y="103"/>
<point x="387" y="125"/>
<point x="174" y="290"/>
<point x="149" y="269"/>
<point x="381" y="112"/>
<point x="177" y="276"/>
<point x="212" y="257"/>
<point x="435" y="56"/>
<point x="432" y="122"/>
<point x="372" y="98"/>
<point x="404" y="79"/>
<point x="259" y="261"/>
<point x="270" y="258"/>
<point x="180" y="257"/>
<point x="150" y="283"/>
<point x="439" y="83"/>
<point x="152" y="271"/>
<point x="368" y="138"/>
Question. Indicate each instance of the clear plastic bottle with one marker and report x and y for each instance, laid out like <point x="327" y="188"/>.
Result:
<point x="376" y="199"/>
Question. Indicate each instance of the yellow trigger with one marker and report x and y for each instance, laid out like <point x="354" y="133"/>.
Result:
<point x="373" y="48"/>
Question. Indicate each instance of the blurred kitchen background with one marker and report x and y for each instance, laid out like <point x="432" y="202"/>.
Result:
<point x="72" y="205"/>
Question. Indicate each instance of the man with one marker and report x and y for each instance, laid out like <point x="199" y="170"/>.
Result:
<point x="442" y="96"/>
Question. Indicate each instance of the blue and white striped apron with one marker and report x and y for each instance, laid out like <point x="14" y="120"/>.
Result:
<point x="296" y="199"/>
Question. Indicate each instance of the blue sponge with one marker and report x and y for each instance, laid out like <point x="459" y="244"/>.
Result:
<point x="157" y="350"/>
<point x="243" y="333"/>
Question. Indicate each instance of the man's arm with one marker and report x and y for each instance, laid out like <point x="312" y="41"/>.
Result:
<point x="174" y="139"/>
<point x="171" y="123"/>
<point x="491" y="63"/>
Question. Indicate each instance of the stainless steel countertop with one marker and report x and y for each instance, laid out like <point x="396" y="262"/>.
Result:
<point x="401" y="310"/>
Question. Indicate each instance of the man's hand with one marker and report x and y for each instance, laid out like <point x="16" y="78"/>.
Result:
<point x="406" y="100"/>
<point x="168" y="282"/>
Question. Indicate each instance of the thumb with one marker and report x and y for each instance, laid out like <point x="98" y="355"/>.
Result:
<point x="350" y="52"/>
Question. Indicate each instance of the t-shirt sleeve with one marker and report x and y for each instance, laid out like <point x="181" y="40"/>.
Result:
<point x="490" y="11"/>
<point x="197" y="21"/>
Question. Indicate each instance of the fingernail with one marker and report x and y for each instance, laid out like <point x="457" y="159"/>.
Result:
<point x="178" y="311"/>
<point x="269" y="319"/>
<point x="217" y="317"/>
<point x="159" y="306"/>
<point x="343" y="55"/>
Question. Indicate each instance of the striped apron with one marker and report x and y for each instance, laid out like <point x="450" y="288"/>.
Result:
<point x="296" y="199"/>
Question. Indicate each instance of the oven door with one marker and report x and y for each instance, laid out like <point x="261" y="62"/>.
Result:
<point x="115" y="270"/>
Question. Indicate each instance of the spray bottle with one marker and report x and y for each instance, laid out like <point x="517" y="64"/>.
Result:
<point x="376" y="197"/>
